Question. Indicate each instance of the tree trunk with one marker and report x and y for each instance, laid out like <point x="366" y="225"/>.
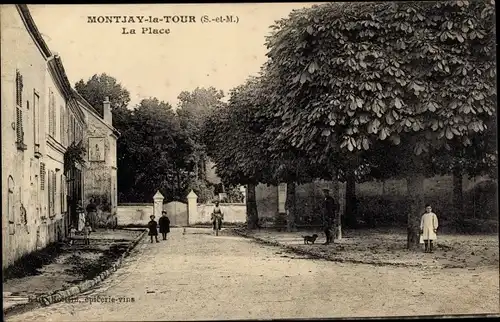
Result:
<point x="252" y="214"/>
<point x="350" y="199"/>
<point x="195" y="171"/>
<point x="179" y="194"/>
<point x="291" y="207"/>
<point x="458" y="198"/>
<point x="415" y="184"/>
<point x="336" y="197"/>
<point x="203" y="167"/>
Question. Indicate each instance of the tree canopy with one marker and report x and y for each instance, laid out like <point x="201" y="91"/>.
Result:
<point x="159" y="148"/>
<point x="350" y="75"/>
<point x="395" y="86"/>
<point x="96" y="88"/>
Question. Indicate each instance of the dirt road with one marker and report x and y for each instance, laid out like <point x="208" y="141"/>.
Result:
<point x="200" y="276"/>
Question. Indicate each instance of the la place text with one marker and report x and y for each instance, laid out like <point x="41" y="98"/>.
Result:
<point x="145" y="31"/>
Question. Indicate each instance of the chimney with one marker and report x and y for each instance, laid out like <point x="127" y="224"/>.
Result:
<point x="108" y="118"/>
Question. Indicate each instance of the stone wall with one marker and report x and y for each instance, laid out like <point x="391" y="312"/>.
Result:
<point x="134" y="214"/>
<point x="233" y="213"/>
<point x="267" y="200"/>
<point x="138" y="214"/>
<point x="100" y="176"/>
<point x="376" y="198"/>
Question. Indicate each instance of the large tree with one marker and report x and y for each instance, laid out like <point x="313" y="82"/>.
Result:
<point x="233" y="142"/>
<point x="192" y="110"/>
<point x="156" y="153"/>
<point x="98" y="87"/>
<point x="352" y="76"/>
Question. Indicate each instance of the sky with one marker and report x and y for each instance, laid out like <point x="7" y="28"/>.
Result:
<point x="192" y="55"/>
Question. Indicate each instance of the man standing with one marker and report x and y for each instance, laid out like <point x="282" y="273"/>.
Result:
<point x="329" y="208"/>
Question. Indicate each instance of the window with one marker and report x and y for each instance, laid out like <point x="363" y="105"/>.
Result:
<point x="42" y="176"/>
<point x="51" y="192"/>
<point x="62" y="115"/>
<point x="36" y="123"/>
<point x="79" y="133"/>
<point x="73" y="126"/>
<point x="54" y="193"/>
<point x="63" y="193"/>
<point x="19" y="112"/>
<point x="71" y="133"/>
<point x="52" y="114"/>
<point x="11" y="207"/>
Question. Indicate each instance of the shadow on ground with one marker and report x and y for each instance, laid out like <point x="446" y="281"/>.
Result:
<point x="62" y="265"/>
<point x="388" y="247"/>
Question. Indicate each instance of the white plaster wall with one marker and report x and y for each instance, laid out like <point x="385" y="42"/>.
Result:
<point x="19" y="51"/>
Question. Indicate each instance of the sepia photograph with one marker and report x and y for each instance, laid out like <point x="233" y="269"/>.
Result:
<point x="249" y="161"/>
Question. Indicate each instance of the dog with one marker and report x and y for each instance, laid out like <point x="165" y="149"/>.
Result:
<point x="310" y="239"/>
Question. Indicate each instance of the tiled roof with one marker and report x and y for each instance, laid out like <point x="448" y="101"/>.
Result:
<point x="33" y="30"/>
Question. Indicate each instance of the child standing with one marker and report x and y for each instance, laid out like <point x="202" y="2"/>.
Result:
<point x="72" y="234"/>
<point x="86" y="233"/>
<point x="153" y="229"/>
<point x="164" y="224"/>
<point x="428" y="228"/>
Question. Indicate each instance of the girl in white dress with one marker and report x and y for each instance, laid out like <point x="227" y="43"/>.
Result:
<point x="428" y="228"/>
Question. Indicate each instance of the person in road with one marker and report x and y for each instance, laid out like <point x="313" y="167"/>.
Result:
<point x="329" y="208"/>
<point x="153" y="229"/>
<point x="92" y="214"/>
<point x="164" y="224"/>
<point x="86" y="233"/>
<point x="218" y="215"/>
<point x="81" y="216"/>
<point x="428" y="228"/>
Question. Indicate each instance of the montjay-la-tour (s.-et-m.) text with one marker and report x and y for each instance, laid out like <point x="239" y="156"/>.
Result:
<point x="162" y="19"/>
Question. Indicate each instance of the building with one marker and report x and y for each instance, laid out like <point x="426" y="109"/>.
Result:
<point x="40" y="119"/>
<point x="67" y="124"/>
<point x="24" y="56"/>
<point x="100" y="175"/>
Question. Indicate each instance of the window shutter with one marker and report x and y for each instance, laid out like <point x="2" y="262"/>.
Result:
<point x="62" y="194"/>
<point x="54" y="186"/>
<point x="53" y="115"/>
<point x="73" y="123"/>
<point x="61" y="128"/>
<point x="19" y="89"/>
<point x="42" y="176"/>
<point x="19" y="125"/>
<point x="49" y="191"/>
<point x="50" y="112"/>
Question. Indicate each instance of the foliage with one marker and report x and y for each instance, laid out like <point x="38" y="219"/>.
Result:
<point x="98" y="87"/>
<point x="154" y="153"/>
<point x="232" y="138"/>
<point x="158" y="148"/>
<point x="203" y="190"/>
<point x="75" y="154"/>
<point x="192" y="111"/>
<point x="353" y="75"/>
<point x="479" y="158"/>
<point x="234" y="195"/>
